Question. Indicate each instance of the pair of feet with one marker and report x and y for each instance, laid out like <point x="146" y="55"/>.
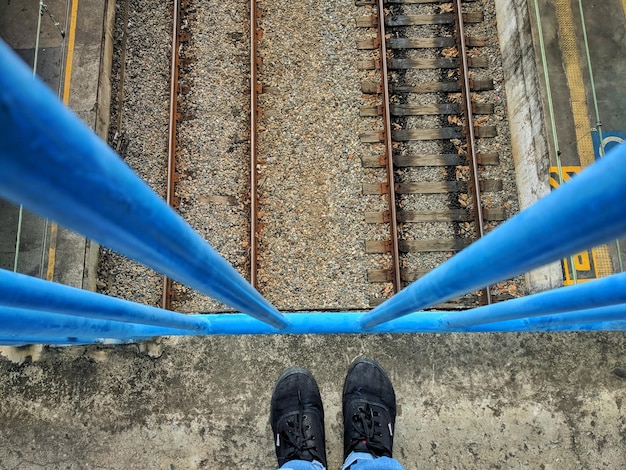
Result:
<point x="369" y="414"/>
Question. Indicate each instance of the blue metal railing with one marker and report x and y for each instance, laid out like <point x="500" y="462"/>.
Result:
<point x="55" y="166"/>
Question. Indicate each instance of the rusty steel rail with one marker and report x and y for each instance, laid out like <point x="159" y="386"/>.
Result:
<point x="474" y="182"/>
<point x="388" y="155"/>
<point x="254" y="202"/>
<point x="172" y="176"/>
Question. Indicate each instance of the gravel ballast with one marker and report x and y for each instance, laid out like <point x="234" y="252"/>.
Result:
<point x="311" y="206"/>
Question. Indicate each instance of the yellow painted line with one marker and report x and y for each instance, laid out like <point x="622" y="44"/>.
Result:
<point x="67" y="80"/>
<point x="567" y="173"/>
<point x="70" y="53"/>
<point x="52" y="251"/>
<point x="573" y="71"/>
<point x="624" y="6"/>
<point x="580" y="110"/>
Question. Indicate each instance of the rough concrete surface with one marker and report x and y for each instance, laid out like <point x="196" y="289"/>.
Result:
<point x="465" y="401"/>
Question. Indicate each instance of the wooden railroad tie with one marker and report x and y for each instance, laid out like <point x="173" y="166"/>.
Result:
<point x="418" y="246"/>
<point x="446" y="215"/>
<point x="418" y="20"/>
<point x="431" y="187"/>
<point x="438" y="133"/>
<point x="424" y="64"/>
<point x="448" y="159"/>
<point x="385" y="275"/>
<point x="427" y="87"/>
<point x="419" y="43"/>
<point x="426" y="109"/>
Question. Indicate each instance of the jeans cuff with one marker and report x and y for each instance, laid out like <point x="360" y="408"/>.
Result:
<point x="354" y="456"/>
<point x="302" y="465"/>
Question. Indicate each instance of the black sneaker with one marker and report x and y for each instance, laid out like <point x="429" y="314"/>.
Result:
<point x="297" y="418"/>
<point x="369" y="410"/>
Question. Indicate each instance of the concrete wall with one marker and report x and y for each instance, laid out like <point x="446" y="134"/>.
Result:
<point x="526" y="119"/>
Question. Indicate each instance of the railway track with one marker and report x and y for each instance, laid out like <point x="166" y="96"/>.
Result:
<point x="255" y="89"/>
<point x="119" y="139"/>
<point x="180" y="40"/>
<point x="298" y="213"/>
<point x="427" y="124"/>
<point x="172" y="142"/>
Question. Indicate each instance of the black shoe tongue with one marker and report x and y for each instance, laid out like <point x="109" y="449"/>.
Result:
<point x="361" y="446"/>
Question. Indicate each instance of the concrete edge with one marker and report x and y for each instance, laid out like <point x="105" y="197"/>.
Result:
<point x="103" y="121"/>
<point x="530" y="149"/>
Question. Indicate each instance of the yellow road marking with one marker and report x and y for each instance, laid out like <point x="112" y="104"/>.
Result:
<point x="624" y="6"/>
<point x="66" y="99"/>
<point x="580" y="110"/>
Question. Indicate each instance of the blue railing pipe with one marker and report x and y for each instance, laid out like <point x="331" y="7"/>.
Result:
<point x="587" y="211"/>
<point x="15" y="322"/>
<point x="29" y="327"/>
<point x="577" y="319"/>
<point x="56" y="166"/>
<point x="602" y="292"/>
<point x="419" y="322"/>
<point x="21" y="291"/>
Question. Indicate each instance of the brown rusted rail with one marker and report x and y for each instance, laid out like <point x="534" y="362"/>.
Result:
<point x="172" y="176"/>
<point x="474" y="183"/>
<point x="388" y="155"/>
<point x="254" y="203"/>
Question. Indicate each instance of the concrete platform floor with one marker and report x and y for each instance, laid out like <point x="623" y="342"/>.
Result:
<point x="546" y="401"/>
<point x="551" y="401"/>
<point x="57" y="253"/>
<point x="587" y="80"/>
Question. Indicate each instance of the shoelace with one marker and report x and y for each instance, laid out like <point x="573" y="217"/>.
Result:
<point x="367" y="429"/>
<point x="295" y="435"/>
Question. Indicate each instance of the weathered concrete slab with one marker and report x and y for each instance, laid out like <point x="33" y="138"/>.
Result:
<point x="465" y="401"/>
